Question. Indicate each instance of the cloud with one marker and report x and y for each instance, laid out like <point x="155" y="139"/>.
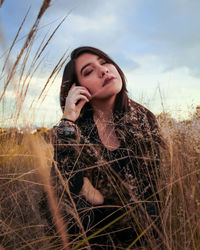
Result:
<point x="169" y="30"/>
<point x="152" y="41"/>
<point x="176" y="89"/>
<point x="85" y="24"/>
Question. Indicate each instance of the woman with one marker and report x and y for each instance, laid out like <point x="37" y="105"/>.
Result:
<point x="106" y="152"/>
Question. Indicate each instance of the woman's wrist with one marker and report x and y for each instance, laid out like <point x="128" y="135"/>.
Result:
<point x="66" y="119"/>
<point x="70" y="115"/>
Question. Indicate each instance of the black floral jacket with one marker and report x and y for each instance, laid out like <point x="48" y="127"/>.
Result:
<point x="128" y="174"/>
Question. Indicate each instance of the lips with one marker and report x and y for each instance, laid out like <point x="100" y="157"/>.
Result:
<point x="108" y="80"/>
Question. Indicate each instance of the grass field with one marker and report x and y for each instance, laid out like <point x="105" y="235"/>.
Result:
<point x="26" y="156"/>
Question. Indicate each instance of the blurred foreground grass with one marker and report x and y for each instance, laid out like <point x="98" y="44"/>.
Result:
<point x="22" y="186"/>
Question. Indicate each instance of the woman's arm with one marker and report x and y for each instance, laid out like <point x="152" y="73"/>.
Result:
<point x="66" y="142"/>
<point x="69" y="147"/>
<point x="67" y="161"/>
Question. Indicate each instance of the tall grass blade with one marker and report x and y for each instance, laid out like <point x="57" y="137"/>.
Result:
<point x="13" y="43"/>
<point x="28" y="40"/>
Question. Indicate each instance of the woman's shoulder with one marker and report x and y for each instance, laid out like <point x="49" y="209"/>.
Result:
<point x="141" y="114"/>
<point x="139" y="108"/>
<point x="148" y="122"/>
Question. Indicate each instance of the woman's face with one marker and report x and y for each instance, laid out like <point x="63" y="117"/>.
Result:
<point x="100" y="78"/>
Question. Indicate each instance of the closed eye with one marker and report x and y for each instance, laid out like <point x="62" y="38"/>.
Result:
<point x="103" y="62"/>
<point x="87" y="72"/>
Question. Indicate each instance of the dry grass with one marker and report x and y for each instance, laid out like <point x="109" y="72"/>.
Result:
<point x="26" y="157"/>
<point x="181" y="172"/>
<point x="22" y="189"/>
<point x="25" y="162"/>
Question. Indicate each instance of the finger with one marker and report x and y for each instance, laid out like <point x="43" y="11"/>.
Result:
<point x="81" y="97"/>
<point x="71" y="89"/>
<point x="81" y="90"/>
<point x="77" y="93"/>
<point x="86" y="93"/>
<point x="73" y="86"/>
<point x="81" y="104"/>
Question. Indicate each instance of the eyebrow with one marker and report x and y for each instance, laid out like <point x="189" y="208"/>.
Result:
<point x="88" y="65"/>
<point x="85" y="67"/>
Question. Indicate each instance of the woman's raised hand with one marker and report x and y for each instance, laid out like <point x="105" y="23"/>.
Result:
<point x="75" y="100"/>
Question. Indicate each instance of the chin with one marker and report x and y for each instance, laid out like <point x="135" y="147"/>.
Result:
<point x="108" y="92"/>
<point x="108" y="95"/>
<point x="117" y="89"/>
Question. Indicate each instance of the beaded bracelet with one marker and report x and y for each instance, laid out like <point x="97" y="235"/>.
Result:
<point x="67" y="128"/>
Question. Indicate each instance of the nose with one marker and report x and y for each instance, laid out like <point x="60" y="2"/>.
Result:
<point x="103" y="70"/>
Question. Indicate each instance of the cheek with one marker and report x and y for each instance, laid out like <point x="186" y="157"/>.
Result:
<point x="89" y="85"/>
<point x="115" y="71"/>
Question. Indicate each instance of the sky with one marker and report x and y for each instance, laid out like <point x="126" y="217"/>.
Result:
<point x="156" y="44"/>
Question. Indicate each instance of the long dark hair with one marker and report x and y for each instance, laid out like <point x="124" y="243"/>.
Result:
<point x="70" y="77"/>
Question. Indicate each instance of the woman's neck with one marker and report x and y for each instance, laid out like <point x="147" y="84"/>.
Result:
<point x="103" y="118"/>
<point x="103" y="110"/>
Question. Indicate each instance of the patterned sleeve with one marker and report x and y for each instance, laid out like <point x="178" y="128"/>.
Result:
<point x="155" y="129"/>
<point x="153" y="138"/>
<point x="66" y="167"/>
<point x="154" y="143"/>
